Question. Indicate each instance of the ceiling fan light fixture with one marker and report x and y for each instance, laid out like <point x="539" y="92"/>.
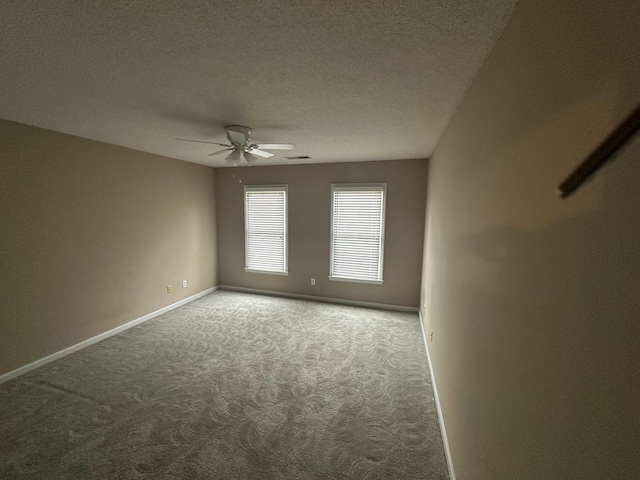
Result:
<point x="234" y="158"/>
<point x="250" y="159"/>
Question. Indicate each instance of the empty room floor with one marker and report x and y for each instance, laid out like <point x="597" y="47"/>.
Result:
<point x="232" y="385"/>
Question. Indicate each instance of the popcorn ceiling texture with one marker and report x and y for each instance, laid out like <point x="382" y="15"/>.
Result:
<point x="344" y="81"/>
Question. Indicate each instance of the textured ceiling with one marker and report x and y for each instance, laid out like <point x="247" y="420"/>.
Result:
<point x="343" y="80"/>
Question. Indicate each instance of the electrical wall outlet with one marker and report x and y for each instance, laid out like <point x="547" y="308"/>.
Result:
<point x="313" y="281"/>
<point x="184" y="284"/>
<point x="169" y="288"/>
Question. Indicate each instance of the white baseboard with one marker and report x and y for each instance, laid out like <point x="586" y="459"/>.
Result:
<point x="340" y="301"/>
<point x="100" y="337"/>
<point x="443" y="429"/>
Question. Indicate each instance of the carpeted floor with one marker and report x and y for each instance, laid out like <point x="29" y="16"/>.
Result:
<point x="232" y="386"/>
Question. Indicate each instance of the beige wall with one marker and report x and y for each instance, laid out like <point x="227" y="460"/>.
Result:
<point x="310" y="224"/>
<point x="90" y="236"/>
<point x="535" y="301"/>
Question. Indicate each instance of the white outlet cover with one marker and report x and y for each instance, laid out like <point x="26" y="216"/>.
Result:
<point x="184" y="284"/>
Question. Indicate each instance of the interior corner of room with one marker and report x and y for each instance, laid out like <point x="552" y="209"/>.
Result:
<point x="528" y="302"/>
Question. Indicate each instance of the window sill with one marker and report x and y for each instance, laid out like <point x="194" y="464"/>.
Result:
<point x="269" y="272"/>
<point x="355" y="280"/>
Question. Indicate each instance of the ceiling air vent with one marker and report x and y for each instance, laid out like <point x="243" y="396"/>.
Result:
<point x="300" y="157"/>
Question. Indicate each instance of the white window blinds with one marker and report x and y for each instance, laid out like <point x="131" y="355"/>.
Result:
<point x="265" y="214"/>
<point x="357" y="232"/>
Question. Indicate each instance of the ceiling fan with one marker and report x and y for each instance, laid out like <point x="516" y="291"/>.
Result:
<point x="240" y="146"/>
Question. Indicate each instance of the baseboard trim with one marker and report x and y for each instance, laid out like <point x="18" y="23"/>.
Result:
<point x="102" y="336"/>
<point x="443" y="429"/>
<point x="340" y="301"/>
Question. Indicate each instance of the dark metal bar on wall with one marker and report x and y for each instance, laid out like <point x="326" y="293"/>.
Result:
<point x="601" y="154"/>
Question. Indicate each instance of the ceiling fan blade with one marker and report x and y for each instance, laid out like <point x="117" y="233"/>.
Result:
<point x="202" y="141"/>
<point x="260" y="153"/>
<point x="277" y="146"/>
<point x="219" y="152"/>
<point x="238" y="134"/>
<point x="233" y="158"/>
<point x="251" y="159"/>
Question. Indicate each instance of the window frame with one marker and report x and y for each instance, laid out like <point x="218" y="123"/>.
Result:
<point x="382" y="186"/>
<point x="285" y="189"/>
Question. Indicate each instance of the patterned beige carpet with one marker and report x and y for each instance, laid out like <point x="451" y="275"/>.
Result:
<point x="232" y="386"/>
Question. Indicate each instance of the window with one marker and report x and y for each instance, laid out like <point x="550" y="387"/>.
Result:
<point x="265" y="229"/>
<point x="357" y="232"/>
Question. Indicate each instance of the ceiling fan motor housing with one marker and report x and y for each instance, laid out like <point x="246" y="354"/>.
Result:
<point x="238" y="135"/>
